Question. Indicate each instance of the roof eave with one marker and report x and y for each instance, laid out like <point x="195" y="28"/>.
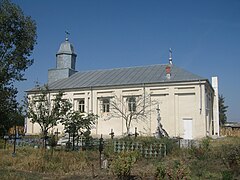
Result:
<point x="123" y="85"/>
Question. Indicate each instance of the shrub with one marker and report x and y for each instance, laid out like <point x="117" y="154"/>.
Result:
<point x="177" y="170"/>
<point x="198" y="153"/>
<point x="230" y="155"/>
<point x="2" y="142"/>
<point x="227" y="175"/>
<point x="52" y="141"/>
<point x="122" y="165"/>
<point x="161" y="171"/>
<point x="202" y="152"/>
<point x="109" y="149"/>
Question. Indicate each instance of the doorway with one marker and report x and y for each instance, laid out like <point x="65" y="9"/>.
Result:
<point x="187" y="128"/>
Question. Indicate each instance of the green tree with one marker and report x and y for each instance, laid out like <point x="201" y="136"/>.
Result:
<point x="12" y="118"/>
<point x="46" y="110"/>
<point x="17" y="40"/>
<point x="222" y="110"/>
<point x="77" y="123"/>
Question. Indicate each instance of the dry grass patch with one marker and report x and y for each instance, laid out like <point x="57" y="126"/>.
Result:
<point x="37" y="160"/>
<point x="215" y="159"/>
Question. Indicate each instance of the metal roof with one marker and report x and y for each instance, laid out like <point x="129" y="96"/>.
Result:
<point x="232" y="124"/>
<point x="66" y="48"/>
<point x="123" y="76"/>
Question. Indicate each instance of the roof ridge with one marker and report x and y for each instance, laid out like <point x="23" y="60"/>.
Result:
<point x="121" y="68"/>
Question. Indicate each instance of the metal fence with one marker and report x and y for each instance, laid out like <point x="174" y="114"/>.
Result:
<point x="188" y="143"/>
<point x="148" y="151"/>
<point x="36" y="142"/>
<point x="151" y="150"/>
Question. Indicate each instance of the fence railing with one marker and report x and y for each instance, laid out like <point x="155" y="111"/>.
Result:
<point x="148" y="151"/>
<point x="188" y="143"/>
<point x="26" y="142"/>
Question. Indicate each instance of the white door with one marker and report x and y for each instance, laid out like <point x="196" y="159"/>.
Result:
<point x="187" y="127"/>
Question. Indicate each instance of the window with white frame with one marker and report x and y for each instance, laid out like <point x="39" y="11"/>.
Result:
<point x="131" y="104"/>
<point x="81" y="105"/>
<point x="106" y="104"/>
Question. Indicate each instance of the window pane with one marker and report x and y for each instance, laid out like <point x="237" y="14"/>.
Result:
<point x="81" y="106"/>
<point x="106" y="105"/>
<point x="134" y="107"/>
<point x="132" y="104"/>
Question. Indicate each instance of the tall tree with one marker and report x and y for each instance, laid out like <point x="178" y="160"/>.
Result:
<point x="222" y="110"/>
<point x="17" y="40"/>
<point x="46" y="110"/>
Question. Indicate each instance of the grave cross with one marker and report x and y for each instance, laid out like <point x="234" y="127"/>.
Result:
<point x="111" y="134"/>
<point x="136" y="133"/>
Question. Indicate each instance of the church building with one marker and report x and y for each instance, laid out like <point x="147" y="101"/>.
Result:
<point x="186" y="103"/>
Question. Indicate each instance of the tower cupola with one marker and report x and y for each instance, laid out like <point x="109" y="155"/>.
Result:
<point x="66" y="57"/>
<point x="65" y="62"/>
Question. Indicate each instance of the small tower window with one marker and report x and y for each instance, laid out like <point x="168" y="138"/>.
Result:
<point x="81" y="106"/>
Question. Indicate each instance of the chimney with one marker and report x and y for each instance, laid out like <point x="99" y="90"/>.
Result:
<point x="215" y="106"/>
<point x="168" y="72"/>
<point x="170" y="56"/>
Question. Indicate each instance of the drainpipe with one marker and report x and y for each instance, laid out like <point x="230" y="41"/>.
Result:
<point x="200" y="97"/>
<point x="91" y="100"/>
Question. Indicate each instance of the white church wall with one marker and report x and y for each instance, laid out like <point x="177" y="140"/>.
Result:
<point x="177" y="102"/>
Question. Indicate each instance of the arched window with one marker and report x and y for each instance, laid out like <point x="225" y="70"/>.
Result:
<point x="81" y="106"/>
<point x="132" y="104"/>
<point x="106" y="105"/>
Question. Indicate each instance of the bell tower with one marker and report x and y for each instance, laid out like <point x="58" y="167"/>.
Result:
<point x="65" y="62"/>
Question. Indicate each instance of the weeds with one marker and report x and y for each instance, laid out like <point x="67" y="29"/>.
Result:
<point x="122" y="164"/>
<point x="230" y="156"/>
<point x="37" y="160"/>
<point x="213" y="159"/>
<point x="173" y="170"/>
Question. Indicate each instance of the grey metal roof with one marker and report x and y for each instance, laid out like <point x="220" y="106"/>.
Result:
<point x="123" y="76"/>
<point x="232" y="124"/>
<point x="66" y="48"/>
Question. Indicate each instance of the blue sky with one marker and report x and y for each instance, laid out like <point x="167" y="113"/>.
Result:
<point x="204" y="36"/>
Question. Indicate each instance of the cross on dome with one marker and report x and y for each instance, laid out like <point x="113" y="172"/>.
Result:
<point x="67" y="34"/>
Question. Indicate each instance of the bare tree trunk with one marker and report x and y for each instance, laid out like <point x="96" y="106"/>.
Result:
<point x="44" y="139"/>
<point x="128" y="127"/>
